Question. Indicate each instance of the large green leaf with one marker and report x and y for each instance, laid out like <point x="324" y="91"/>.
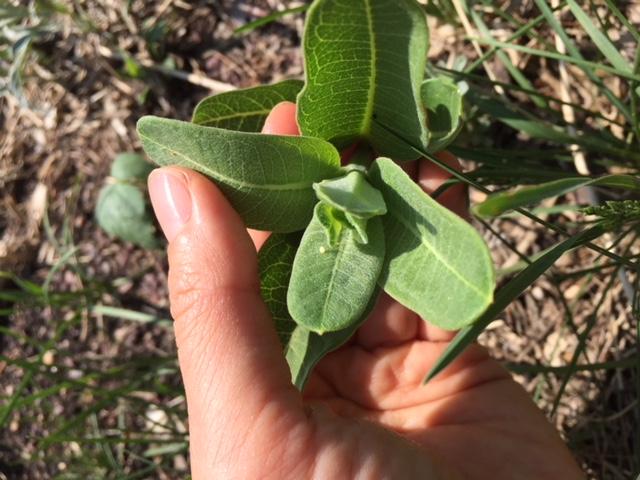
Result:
<point x="306" y="348"/>
<point x="331" y="285"/>
<point x="436" y="263"/>
<point x="268" y="179"/>
<point x="275" y="261"/>
<point x="499" y="203"/>
<point x="365" y="61"/>
<point x="443" y="101"/>
<point x="244" y="110"/>
<point x="122" y="211"/>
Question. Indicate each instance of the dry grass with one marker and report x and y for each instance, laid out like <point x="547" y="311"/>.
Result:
<point x="55" y="153"/>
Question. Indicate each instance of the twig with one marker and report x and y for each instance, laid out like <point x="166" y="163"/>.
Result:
<point x="471" y="33"/>
<point x="579" y="159"/>
<point x="211" y="84"/>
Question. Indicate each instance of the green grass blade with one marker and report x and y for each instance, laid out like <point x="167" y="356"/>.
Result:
<point x="524" y="368"/>
<point x="132" y="315"/>
<point x="261" y="22"/>
<point x="578" y="59"/>
<point x="608" y="49"/>
<point x="623" y="19"/>
<point x="584" y="334"/>
<point x="508" y="294"/>
<point x="482" y="80"/>
<point x="499" y="203"/>
<point x="581" y="62"/>
<point x="517" y="75"/>
<point x="518" y="119"/>
<point x="493" y="50"/>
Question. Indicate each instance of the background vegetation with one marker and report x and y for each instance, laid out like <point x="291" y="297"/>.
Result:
<point x="89" y="385"/>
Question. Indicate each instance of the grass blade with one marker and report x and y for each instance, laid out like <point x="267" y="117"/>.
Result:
<point x="578" y="59"/>
<point x="581" y="62"/>
<point x="508" y="294"/>
<point x="608" y="50"/>
<point x="499" y="203"/>
<point x="261" y="22"/>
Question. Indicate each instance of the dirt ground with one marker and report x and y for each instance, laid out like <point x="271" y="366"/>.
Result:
<point x="81" y="102"/>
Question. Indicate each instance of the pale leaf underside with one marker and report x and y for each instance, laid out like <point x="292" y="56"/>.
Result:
<point x="331" y="285"/>
<point x="436" y="263"/>
<point x="268" y="179"/>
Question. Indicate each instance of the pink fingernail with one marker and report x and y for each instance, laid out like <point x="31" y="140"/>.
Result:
<point x="171" y="200"/>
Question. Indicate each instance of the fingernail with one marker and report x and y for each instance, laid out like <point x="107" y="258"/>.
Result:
<point x="171" y="200"/>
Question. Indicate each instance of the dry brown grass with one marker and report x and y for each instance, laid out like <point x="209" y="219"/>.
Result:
<point x="55" y="153"/>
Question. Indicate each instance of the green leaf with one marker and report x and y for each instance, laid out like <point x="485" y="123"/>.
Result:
<point x="268" y="179"/>
<point x="275" y="261"/>
<point x="499" y="203"/>
<point x="351" y="194"/>
<point x="122" y="212"/>
<point x="244" y="110"/>
<point x="365" y="60"/>
<point x="443" y="101"/>
<point x="436" y="263"/>
<point x="331" y="285"/>
<point x="130" y="166"/>
<point x="508" y="294"/>
<point x="307" y="348"/>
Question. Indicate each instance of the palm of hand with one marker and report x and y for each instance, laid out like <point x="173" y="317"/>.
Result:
<point x="471" y="422"/>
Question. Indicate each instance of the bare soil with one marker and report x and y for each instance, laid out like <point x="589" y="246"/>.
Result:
<point x="55" y="153"/>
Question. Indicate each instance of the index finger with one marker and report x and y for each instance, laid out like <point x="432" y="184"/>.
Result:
<point x="281" y="121"/>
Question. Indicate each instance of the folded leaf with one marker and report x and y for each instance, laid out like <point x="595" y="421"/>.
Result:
<point x="306" y="348"/>
<point x="268" y="179"/>
<point x="499" y="203"/>
<point x="353" y="194"/>
<point x="245" y="110"/>
<point x="443" y="101"/>
<point x="436" y="263"/>
<point x="331" y="286"/>
<point x="365" y="61"/>
<point x="275" y="261"/>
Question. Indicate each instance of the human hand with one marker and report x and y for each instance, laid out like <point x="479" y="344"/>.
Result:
<point x="365" y="412"/>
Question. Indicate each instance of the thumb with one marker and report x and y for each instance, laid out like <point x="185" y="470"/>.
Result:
<point x="237" y="383"/>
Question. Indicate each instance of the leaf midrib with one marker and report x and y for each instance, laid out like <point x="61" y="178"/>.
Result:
<point x="334" y="270"/>
<point x="435" y="253"/>
<point x="366" y="126"/>
<point x="223" y="178"/>
<point x="215" y="119"/>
